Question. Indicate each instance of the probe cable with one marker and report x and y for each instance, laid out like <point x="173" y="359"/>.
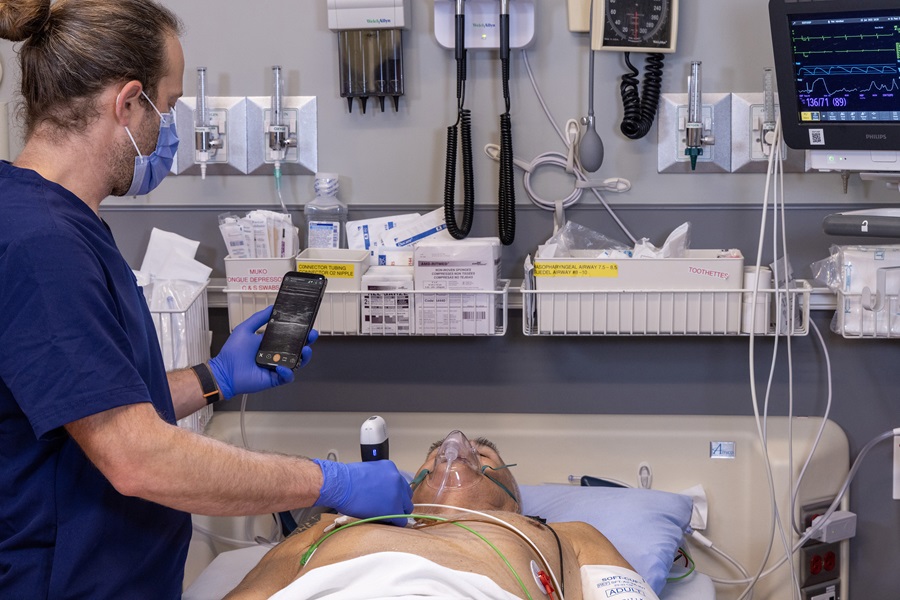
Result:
<point x="506" y="211"/>
<point x="760" y="423"/>
<point x="462" y="128"/>
<point x="640" y="112"/>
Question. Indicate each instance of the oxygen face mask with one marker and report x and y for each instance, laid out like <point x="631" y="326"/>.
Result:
<point x="457" y="466"/>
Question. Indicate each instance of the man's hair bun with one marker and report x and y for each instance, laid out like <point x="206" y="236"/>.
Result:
<point x="21" y="19"/>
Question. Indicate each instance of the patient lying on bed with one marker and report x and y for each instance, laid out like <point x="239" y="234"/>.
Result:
<point x="448" y="552"/>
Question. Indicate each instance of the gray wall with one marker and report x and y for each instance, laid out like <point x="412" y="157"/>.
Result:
<point x="390" y="162"/>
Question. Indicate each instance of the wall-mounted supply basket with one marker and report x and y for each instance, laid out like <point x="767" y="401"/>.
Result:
<point x="861" y="317"/>
<point x="400" y="313"/>
<point x="665" y="312"/>
<point x="184" y="339"/>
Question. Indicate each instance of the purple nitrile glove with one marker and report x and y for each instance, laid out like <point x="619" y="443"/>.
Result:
<point x="235" y="367"/>
<point x="365" y="489"/>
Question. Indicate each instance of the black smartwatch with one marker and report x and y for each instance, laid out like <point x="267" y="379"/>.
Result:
<point x="207" y="383"/>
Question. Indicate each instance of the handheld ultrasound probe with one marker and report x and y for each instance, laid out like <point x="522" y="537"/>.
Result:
<point x="373" y="439"/>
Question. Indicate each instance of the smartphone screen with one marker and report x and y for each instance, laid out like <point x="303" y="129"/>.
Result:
<point x="292" y="317"/>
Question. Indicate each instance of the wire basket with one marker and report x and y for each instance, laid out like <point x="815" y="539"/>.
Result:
<point x="184" y="340"/>
<point x="857" y="317"/>
<point x="400" y="313"/>
<point x="664" y="312"/>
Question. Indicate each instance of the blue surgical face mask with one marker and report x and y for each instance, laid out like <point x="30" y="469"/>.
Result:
<point x="149" y="171"/>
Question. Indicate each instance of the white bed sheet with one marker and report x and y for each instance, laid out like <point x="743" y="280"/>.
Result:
<point x="229" y="568"/>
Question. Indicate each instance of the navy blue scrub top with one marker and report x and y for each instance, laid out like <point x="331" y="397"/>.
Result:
<point x="76" y="339"/>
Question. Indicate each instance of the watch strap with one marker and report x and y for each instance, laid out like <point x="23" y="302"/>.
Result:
<point x="208" y="384"/>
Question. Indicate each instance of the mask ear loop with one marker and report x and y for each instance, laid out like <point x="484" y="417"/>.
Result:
<point x="144" y="94"/>
<point x="128" y="131"/>
<point x="133" y="143"/>
<point x="502" y="487"/>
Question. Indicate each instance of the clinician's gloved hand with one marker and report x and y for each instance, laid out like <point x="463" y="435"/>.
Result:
<point x="235" y="367"/>
<point x="365" y="489"/>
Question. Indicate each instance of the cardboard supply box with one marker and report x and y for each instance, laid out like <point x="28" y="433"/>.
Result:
<point x="471" y="265"/>
<point x="339" y="312"/>
<point x="635" y="296"/>
<point x="251" y="284"/>
<point x="385" y="309"/>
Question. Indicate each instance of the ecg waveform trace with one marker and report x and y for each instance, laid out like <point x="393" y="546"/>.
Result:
<point x="873" y="87"/>
<point x="823" y="70"/>
<point x="829" y="81"/>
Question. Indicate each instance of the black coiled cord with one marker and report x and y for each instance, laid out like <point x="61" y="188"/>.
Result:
<point x="506" y="199"/>
<point x="640" y="112"/>
<point x="463" y="127"/>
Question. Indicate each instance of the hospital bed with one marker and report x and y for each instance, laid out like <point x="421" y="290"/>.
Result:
<point x="673" y="453"/>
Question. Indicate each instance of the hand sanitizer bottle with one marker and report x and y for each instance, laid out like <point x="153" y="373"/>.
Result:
<point x="326" y="215"/>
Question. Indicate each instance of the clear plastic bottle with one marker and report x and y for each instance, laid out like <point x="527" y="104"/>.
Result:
<point x="326" y="215"/>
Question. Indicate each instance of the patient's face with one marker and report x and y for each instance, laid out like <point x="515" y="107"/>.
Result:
<point x="483" y="494"/>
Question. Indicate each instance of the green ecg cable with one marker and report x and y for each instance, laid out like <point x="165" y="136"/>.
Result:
<point x="308" y="554"/>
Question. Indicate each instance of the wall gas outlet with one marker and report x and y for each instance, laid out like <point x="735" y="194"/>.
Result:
<point x="672" y="124"/>
<point x="748" y="154"/>
<point x="229" y="115"/>
<point x="300" y="116"/>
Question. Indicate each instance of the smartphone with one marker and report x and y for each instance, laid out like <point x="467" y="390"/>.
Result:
<point x="293" y="315"/>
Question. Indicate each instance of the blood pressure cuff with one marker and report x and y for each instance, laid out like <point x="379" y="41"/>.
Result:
<point x="603" y="582"/>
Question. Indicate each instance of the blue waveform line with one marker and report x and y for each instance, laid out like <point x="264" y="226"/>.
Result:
<point x="847" y="70"/>
<point x="873" y="86"/>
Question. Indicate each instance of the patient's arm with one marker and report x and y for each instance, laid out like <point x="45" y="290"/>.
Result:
<point x="591" y="546"/>
<point x="281" y="565"/>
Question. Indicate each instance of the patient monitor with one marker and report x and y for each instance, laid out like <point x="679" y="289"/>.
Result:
<point x="838" y="73"/>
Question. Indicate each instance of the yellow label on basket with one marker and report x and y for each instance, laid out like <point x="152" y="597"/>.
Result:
<point x="581" y="269"/>
<point x="330" y="270"/>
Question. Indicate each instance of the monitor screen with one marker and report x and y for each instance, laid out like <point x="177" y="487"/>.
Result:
<point x="838" y="69"/>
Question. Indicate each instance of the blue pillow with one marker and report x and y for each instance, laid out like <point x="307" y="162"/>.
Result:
<point x="645" y="526"/>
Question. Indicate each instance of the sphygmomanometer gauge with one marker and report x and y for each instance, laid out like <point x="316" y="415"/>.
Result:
<point x="635" y="25"/>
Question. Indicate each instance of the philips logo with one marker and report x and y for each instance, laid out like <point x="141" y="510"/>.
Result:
<point x="876" y="136"/>
<point x="379" y="21"/>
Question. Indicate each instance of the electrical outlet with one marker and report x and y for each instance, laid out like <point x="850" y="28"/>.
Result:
<point x="819" y="563"/>
<point x="230" y="116"/>
<point x="300" y="114"/>
<point x="827" y="591"/>
<point x="716" y="122"/>
<point x="747" y="155"/>
<point x="809" y="512"/>
<point x="579" y="16"/>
